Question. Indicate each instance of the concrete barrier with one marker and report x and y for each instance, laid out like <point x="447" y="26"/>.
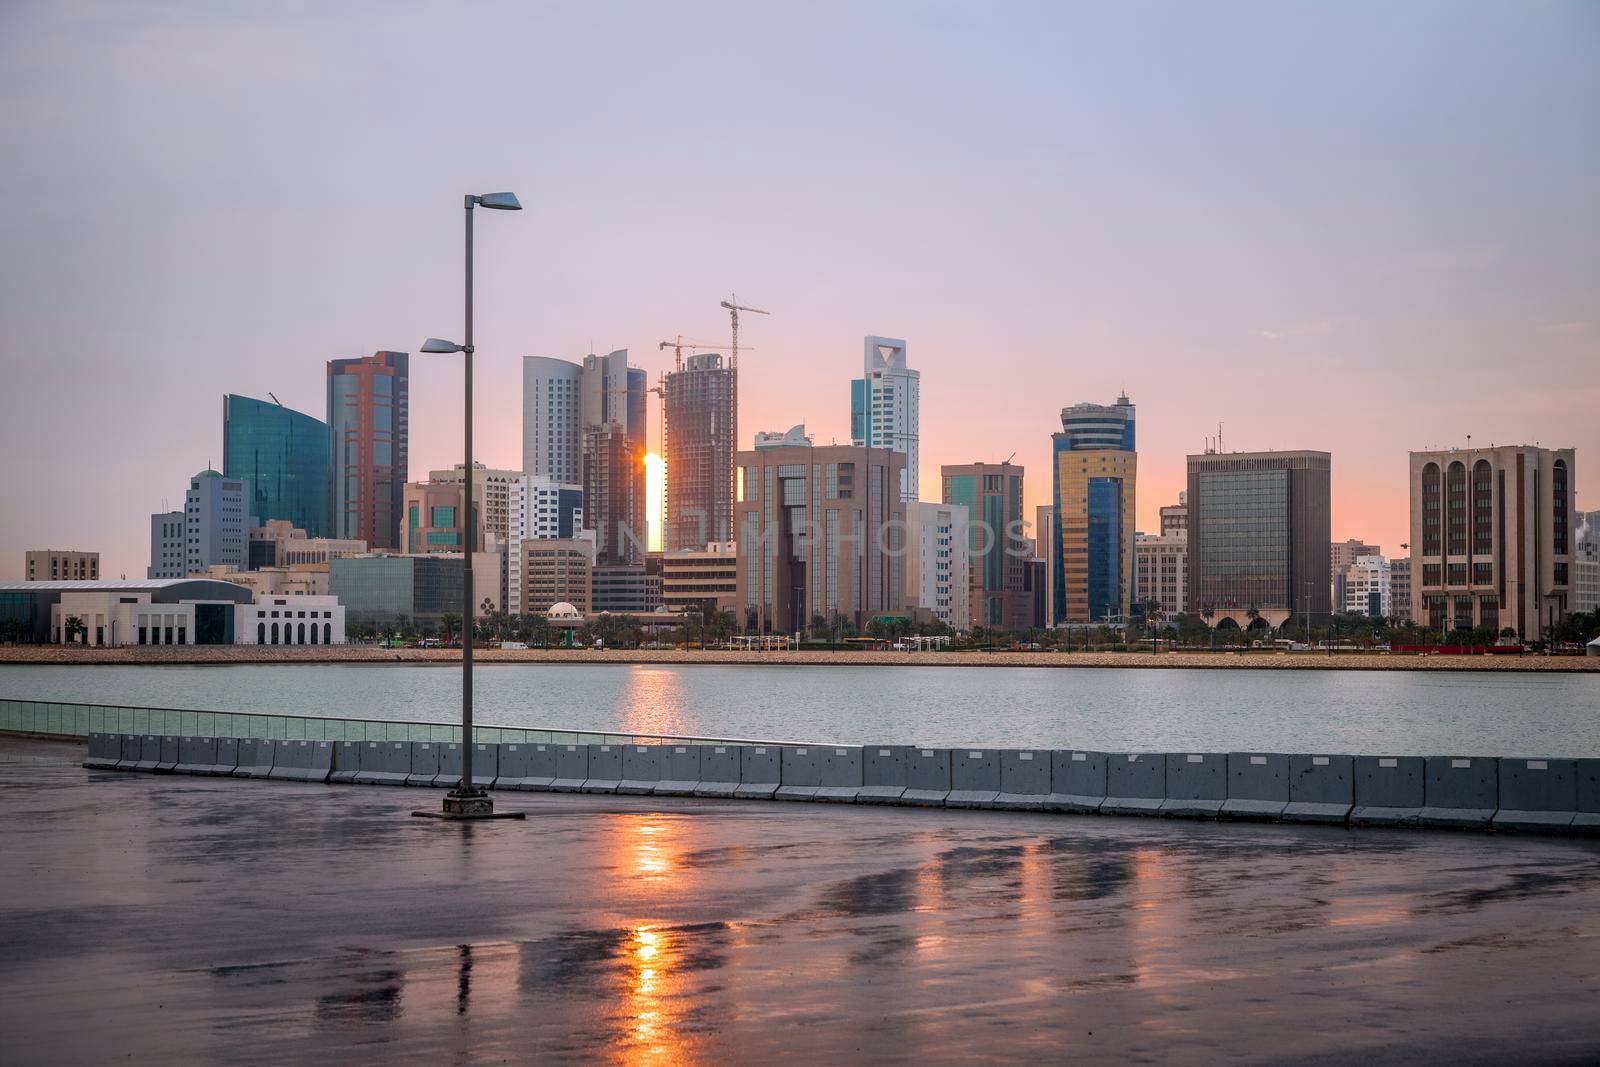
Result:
<point x="132" y="752"/>
<point x="542" y="768"/>
<point x="572" y="769"/>
<point x="839" y="781"/>
<point x="1024" y="779"/>
<point x="1537" y="795"/>
<point x="883" y="774"/>
<point x="322" y="757"/>
<point x="1389" y="790"/>
<point x="346" y="762"/>
<point x="255" y="758"/>
<point x="513" y="765"/>
<point x="799" y="772"/>
<point x="485" y="765"/>
<point x="449" y="776"/>
<point x="105" y="752"/>
<point x="1258" y="786"/>
<point x="1460" y="792"/>
<point x="290" y="759"/>
<point x="1077" y="781"/>
<point x="641" y="769"/>
<point x="1321" y="789"/>
<point x="760" y="771"/>
<point x="680" y="771"/>
<point x="719" y="771"/>
<point x="424" y="764"/>
<point x="974" y="778"/>
<point x="196" y="755"/>
<point x="605" y="769"/>
<point x="1197" y="784"/>
<point x="168" y="763"/>
<point x="1587" y="821"/>
<point x="1136" y="783"/>
<point x="386" y="763"/>
<point x="927" y="777"/>
<point x="227" y="757"/>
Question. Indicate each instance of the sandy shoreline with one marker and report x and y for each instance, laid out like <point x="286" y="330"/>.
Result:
<point x="202" y="654"/>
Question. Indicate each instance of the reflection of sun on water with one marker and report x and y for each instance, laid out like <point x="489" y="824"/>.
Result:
<point x="653" y="701"/>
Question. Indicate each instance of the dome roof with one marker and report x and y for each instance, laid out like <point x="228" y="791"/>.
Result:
<point x="563" y="610"/>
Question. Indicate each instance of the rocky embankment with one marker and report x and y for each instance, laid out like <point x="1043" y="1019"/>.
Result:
<point x="222" y="654"/>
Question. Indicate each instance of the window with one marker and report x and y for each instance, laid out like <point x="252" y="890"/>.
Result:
<point x="442" y="516"/>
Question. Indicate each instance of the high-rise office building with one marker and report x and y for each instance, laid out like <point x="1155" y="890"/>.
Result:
<point x="61" y="565"/>
<point x="1258" y="537"/>
<point x="701" y="408"/>
<point x="885" y="406"/>
<point x="997" y="543"/>
<point x="369" y="420"/>
<point x="212" y="530"/>
<point x="540" y="510"/>
<point x="821" y="530"/>
<point x="1492" y="538"/>
<point x="1341" y="555"/>
<point x="937" y="569"/>
<point x="1095" y="473"/>
<point x="552" y="424"/>
<point x="283" y="455"/>
<point x="585" y="425"/>
<point x="555" y="571"/>
<point x="1366" y="588"/>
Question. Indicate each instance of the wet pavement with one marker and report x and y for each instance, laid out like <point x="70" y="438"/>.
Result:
<point x="179" y="919"/>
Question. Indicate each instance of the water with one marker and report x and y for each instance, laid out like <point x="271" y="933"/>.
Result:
<point x="1120" y="709"/>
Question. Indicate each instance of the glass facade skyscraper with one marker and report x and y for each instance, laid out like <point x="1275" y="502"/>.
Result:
<point x="1095" y="471"/>
<point x="369" y="422"/>
<point x="996" y="546"/>
<point x="283" y="455"/>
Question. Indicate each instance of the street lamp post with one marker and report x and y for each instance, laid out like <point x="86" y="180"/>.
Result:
<point x="467" y="801"/>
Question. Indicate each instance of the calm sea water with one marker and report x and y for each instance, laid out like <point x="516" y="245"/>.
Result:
<point x="1113" y="709"/>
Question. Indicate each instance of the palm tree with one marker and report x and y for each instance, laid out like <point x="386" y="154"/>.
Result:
<point x="1207" y="612"/>
<point x="74" y="628"/>
<point x="451" y="623"/>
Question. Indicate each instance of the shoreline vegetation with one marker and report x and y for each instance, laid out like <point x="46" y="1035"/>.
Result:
<point x="371" y="654"/>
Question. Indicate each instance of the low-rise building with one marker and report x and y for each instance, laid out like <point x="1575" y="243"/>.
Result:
<point x="278" y="543"/>
<point x="1367" y="589"/>
<point x="303" y="579"/>
<point x="61" y="565"/>
<point x="708" y="578"/>
<point x="1586" y="584"/>
<point x="1400" y="589"/>
<point x="386" y="590"/>
<point x="619" y="588"/>
<point x="168" y="611"/>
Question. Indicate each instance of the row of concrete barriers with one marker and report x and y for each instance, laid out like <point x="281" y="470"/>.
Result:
<point x="1476" y="792"/>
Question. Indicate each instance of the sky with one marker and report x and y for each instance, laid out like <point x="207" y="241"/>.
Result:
<point x="1364" y="228"/>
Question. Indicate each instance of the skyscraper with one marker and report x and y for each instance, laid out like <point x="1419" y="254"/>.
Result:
<point x="821" y="530"/>
<point x="212" y="530"/>
<point x="552" y="426"/>
<point x="369" y="425"/>
<point x="1492" y="538"/>
<point x="701" y="402"/>
<point x="885" y="405"/>
<point x="938" y="574"/>
<point x="283" y="455"/>
<point x="1095" y="472"/>
<point x="585" y="425"/>
<point x="1258" y="537"/>
<point x="997" y="545"/>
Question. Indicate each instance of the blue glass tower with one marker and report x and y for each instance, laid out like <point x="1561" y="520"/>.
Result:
<point x="284" y="456"/>
<point x="1094" y="468"/>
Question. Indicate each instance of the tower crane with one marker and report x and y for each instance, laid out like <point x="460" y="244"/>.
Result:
<point x="734" y="307"/>
<point x="680" y="344"/>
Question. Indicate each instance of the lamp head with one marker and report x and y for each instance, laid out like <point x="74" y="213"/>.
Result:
<point x="434" y="345"/>
<point x="500" y="201"/>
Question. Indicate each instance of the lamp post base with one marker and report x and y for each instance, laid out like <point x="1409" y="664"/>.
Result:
<point x="462" y="805"/>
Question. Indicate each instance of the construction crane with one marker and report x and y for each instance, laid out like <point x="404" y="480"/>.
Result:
<point x="734" y="307"/>
<point x="680" y="344"/>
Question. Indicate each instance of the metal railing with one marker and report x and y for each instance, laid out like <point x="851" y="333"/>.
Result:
<point x="60" y="719"/>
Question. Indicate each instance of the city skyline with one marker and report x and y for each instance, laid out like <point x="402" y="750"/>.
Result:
<point x="1290" y="286"/>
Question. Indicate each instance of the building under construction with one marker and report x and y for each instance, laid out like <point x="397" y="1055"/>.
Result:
<point x="701" y="429"/>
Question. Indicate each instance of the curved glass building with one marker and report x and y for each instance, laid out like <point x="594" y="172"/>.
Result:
<point x="284" y="455"/>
